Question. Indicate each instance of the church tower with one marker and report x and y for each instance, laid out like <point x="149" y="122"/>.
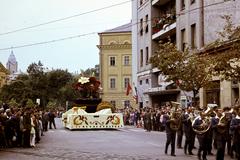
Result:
<point x="12" y="64"/>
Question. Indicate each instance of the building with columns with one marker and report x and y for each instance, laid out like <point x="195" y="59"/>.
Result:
<point x="115" y="52"/>
<point x="198" y="22"/>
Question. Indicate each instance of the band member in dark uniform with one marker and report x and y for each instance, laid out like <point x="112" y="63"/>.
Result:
<point x="188" y="130"/>
<point x="171" y="134"/>
<point x="235" y="128"/>
<point x="219" y="134"/>
<point x="147" y="120"/>
<point x="199" y="124"/>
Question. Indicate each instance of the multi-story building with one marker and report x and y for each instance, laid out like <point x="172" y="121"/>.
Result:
<point x="3" y="75"/>
<point x="198" y="22"/>
<point x="116" y="65"/>
<point x="153" y="21"/>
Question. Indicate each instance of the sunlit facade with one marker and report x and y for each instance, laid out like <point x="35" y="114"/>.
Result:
<point x="115" y="52"/>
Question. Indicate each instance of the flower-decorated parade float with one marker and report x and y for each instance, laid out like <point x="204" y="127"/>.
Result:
<point x="89" y="111"/>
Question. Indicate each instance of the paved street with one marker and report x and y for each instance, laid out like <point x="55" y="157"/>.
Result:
<point x="124" y="144"/>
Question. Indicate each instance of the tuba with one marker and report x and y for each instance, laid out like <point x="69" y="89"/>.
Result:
<point x="206" y="121"/>
<point x="175" y="116"/>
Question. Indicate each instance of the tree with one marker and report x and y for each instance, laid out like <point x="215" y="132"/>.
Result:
<point x="17" y="90"/>
<point x="38" y="82"/>
<point x="224" y="52"/>
<point x="30" y="103"/>
<point x="13" y="103"/>
<point x="188" y="70"/>
<point x="58" y="81"/>
<point x="91" y="72"/>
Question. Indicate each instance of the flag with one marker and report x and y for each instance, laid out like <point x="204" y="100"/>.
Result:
<point x="129" y="88"/>
<point x="136" y="95"/>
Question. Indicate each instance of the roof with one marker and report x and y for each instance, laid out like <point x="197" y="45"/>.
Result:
<point x="3" y="69"/>
<point x="123" y="28"/>
<point x="12" y="58"/>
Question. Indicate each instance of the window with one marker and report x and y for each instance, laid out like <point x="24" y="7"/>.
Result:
<point x="147" y="81"/>
<point x="140" y="82"/>
<point x="183" y="40"/>
<point x="192" y="1"/>
<point x="141" y="58"/>
<point x="193" y="36"/>
<point x="126" y="60"/>
<point x="112" y="61"/>
<point x="126" y="104"/>
<point x="113" y="103"/>
<point x="141" y="2"/>
<point x="141" y="27"/>
<point x="112" y="83"/>
<point x="182" y="4"/>
<point x="126" y="81"/>
<point x="146" y="21"/>
<point x="147" y="55"/>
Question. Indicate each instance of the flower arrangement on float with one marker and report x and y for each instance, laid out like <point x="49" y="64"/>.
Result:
<point x="88" y="87"/>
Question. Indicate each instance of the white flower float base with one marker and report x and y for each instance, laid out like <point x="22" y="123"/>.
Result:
<point x="78" y="118"/>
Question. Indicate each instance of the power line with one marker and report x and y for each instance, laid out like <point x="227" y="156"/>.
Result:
<point x="77" y="36"/>
<point x="57" y="40"/>
<point x="65" y="18"/>
<point x="46" y="42"/>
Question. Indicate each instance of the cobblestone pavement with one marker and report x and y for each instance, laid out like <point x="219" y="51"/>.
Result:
<point x="125" y="144"/>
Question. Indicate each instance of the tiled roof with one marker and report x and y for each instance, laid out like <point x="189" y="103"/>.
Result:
<point x="3" y="69"/>
<point x="123" y="28"/>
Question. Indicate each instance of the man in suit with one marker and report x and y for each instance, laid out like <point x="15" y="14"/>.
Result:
<point x="219" y="134"/>
<point x="202" y="137"/>
<point x="235" y="128"/>
<point x="188" y="130"/>
<point x="170" y="133"/>
<point x="147" y="120"/>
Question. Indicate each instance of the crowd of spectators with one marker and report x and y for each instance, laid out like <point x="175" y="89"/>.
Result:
<point x="23" y="126"/>
<point x="150" y="119"/>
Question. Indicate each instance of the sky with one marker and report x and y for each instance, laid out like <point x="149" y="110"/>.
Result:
<point x="72" y="54"/>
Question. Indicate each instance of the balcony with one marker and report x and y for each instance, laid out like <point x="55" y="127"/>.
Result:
<point x="162" y="26"/>
<point x="159" y="2"/>
<point x="161" y="90"/>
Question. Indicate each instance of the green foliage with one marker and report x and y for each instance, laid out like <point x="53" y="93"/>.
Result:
<point x="51" y="105"/>
<point x="91" y="72"/>
<point x="13" y="103"/>
<point x="52" y="85"/>
<point x="30" y="103"/>
<point x="188" y="69"/>
<point x="224" y="52"/>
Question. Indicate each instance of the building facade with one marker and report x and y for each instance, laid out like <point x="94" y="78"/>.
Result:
<point x="3" y="75"/>
<point x="153" y="21"/>
<point x="198" y="24"/>
<point x="115" y="52"/>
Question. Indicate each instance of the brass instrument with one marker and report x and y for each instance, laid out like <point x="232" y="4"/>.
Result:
<point x="175" y="117"/>
<point x="224" y="120"/>
<point x="206" y="121"/>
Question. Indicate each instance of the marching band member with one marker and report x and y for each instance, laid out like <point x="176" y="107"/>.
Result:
<point x="188" y="131"/>
<point x="202" y="137"/>
<point x="219" y="134"/>
<point x="235" y="128"/>
<point x="171" y="135"/>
